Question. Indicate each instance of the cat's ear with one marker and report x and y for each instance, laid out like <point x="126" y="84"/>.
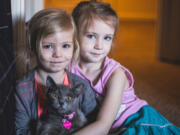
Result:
<point x="78" y="89"/>
<point x="50" y="82"/>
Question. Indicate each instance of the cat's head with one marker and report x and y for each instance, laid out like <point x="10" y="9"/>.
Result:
<point x="63" y="99"/>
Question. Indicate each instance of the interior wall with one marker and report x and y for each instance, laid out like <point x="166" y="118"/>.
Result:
<point x="67" y="5"/>
<point x="136" y="9"/>
<point x="32" y="6"/>
<point x="22" y="11"/>
<point x="126" y="9"/>
<point x="169" y="31"/>
<point x="19" y="36"/>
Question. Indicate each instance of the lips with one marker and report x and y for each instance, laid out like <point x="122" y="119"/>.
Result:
<point x="96" y="54"/>
<point x="57" y="62"/>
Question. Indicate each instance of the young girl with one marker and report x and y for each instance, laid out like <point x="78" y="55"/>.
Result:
<point x="121" y="110"/>
<point x="52" y="38"/>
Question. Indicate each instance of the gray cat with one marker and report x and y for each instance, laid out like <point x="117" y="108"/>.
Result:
<point x="63" y="115"/>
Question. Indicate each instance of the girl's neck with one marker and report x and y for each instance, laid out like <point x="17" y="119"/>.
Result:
<point x="58" y="77"/>
<point x="90" y="67"/>
<point x="91" y="70"/>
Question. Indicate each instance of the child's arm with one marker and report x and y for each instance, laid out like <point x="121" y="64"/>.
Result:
<point x="115" y="86"/>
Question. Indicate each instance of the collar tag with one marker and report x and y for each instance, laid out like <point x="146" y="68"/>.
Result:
<point x="67" y="124"/>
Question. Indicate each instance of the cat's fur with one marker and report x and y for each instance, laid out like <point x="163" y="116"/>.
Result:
<point x="62" y="100"/>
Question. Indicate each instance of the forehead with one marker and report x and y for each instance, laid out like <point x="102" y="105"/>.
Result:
<point x="61" y="36"/>
<point x="64" y="90"/>
<point x="98" y="25"/>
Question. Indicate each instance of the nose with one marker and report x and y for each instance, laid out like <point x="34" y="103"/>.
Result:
<point x="57" y="53"/>
<point x="98" y="44"/>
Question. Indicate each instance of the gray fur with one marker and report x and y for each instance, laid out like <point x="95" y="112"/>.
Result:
<point x="59" y="105"/>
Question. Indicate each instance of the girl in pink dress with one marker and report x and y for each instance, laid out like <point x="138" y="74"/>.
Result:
<point x="121" y="111"/>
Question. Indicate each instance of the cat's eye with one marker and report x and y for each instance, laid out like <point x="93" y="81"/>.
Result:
<point x="68" y="98"/>
<point x="54" y="95"/>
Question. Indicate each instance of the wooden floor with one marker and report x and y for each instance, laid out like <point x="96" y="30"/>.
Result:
<point x="155" y="81"/>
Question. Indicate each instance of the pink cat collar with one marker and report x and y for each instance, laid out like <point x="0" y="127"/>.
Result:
<point x="70" y="116"/>
<point x="66" y="123"/>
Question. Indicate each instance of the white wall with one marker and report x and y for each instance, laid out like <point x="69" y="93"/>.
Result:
<point x="18" y="17"/>
<point x="22" y="11"/>
<point x="31" y="7"/>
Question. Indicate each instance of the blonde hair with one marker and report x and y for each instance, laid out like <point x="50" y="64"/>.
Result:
<point x="46" y="22"/>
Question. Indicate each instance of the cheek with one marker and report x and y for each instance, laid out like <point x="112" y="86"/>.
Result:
<point x="44" y="56"/>
<point x="108" y="49"/>
<point x="69" y="53"/>
<point x="108" y="46"/>
<point x="85" y="44"/>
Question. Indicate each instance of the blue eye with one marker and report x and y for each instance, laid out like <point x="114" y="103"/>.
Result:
<point x="66" y="46"/>
<point x="47" y="46"/>
<point x="90" y="36"/>
<point x="108" y="38"/>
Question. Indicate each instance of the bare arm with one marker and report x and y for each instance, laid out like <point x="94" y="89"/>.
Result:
<point x="115" y="86"/>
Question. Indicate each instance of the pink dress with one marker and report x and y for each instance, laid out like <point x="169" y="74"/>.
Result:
<point x="130" y="102"/>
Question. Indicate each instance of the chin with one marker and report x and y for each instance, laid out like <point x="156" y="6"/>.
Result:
<point x="93" y="59"/>
<point x="97" y="60"/>
<point x="54" y="70"/>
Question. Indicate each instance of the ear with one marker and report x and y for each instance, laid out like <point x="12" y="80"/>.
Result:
<point x="78" y="89"/>
<point x="50" y="82"/>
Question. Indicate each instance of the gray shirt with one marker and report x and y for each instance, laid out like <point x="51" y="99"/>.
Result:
<point x="26" y="102"/>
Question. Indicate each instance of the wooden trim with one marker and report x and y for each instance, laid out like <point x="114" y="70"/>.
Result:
<point x="168" y="31"/>
<point x="18" y="21"/>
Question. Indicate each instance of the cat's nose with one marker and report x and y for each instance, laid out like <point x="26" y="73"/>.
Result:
<point x="61" y="104"/>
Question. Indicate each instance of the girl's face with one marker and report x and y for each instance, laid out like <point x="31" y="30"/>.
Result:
<point x="56" y="51"/>
<point x="96" y="41"/>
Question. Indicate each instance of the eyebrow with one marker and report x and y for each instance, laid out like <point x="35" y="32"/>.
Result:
<point x="110" y="34"/>
<point x="96" y="33"/>
<point x="59" y="42"/>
